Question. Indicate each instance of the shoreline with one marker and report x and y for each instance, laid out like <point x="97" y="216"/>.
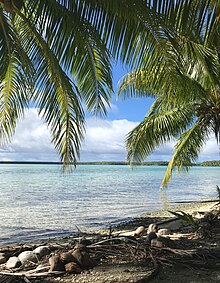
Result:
<point x="130" y="225"/>
<point x="120" y="256"/>
<point x="188" y="207"/>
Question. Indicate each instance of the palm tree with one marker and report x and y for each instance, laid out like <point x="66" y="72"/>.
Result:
<point x="56" y="55"/>
<point x="184" y="78"/>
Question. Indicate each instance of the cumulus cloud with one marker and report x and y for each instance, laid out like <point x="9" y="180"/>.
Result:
<point x="31" y="141"/>
<point x="210" y="151"/>
<point x="104" y="141"/>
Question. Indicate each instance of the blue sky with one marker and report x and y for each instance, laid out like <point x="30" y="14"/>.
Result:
<point x="132" y="109"/>
<point x="104" y="140"/>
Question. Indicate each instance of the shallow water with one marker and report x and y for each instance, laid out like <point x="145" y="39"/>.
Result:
<point x="39" y="202"/>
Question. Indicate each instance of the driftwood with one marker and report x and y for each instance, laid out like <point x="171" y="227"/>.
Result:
<point x="112" y="248"/>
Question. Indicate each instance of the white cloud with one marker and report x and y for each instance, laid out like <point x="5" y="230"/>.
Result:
<point x="30" y="142"/>
<point x="210" y="150"/>
<point x="104" y="141"/>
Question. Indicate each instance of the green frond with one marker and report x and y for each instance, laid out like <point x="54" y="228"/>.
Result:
<point x="13" y="99"/>
<point x="187" y="148"/>
<point x="80" y="50"/>
<point x="57" y="98"/>
<point x="15" y="79"/>
<point x="156" y="129"/>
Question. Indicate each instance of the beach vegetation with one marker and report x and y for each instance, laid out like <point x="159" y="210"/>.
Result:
<point x="186" y="217"/>
<point x="210" y="163"/>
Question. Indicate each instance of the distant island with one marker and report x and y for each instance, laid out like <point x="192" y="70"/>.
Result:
<point x="150" y="163"/>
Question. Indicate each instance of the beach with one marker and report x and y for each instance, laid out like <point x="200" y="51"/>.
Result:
<point x="103" y="203"/>
<point x="113" y="269"/>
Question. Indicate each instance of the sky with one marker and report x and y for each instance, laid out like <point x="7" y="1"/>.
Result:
<point x="104" y="139"/>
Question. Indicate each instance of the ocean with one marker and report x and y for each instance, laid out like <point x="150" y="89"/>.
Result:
<point x="38" y="202"/>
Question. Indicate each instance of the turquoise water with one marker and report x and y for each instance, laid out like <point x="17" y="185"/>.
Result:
<point x="39" y="202"/>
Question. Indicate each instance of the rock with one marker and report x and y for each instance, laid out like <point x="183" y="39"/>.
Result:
<point x="140" y="231"/>
<point x="83" y="259"/>
<point x="2" y="258"/>
<point x="67" y="257"/>
<point x="162" y="242"/>
<point x="151" y="236"/>
<point x="164" y="231"/>
<point x="152" y="228"/>
<point x="56" y="264"/>
<point x="41" y="251"/>
<point x="73" y="267"/>
<point x="13" y="262"/>
<point x="28" y="256"/>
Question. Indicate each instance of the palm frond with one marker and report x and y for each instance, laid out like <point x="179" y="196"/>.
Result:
<point x="186" y="217"/>
<point x="80" y="50"/>
<point x="57" y="98"/>
<point x="16" y="79"/>
<point x="187" y="149"/>
<point x="156" y="129"/>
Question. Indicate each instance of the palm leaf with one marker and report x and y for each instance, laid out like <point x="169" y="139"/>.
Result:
<point x="155" y="129"/>
<point x="57" y="98"/>
<point x="16" y="75"/>
<point x="185" y="217"/>
<point x="187" y="149"/>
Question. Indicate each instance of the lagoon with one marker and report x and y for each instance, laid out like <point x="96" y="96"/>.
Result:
<point x="38" y="202"/>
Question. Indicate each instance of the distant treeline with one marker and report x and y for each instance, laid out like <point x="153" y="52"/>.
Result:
<point x="152" y="163"/>
<point x="155" y="163"/>
<point x="210" y="163"/>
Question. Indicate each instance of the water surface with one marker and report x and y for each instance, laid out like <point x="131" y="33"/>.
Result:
<point x="39" y="202"/>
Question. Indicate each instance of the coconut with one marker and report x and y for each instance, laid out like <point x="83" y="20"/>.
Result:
<point x="140" y="231"/>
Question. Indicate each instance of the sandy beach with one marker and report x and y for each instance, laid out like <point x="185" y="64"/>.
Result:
<point x="114" y="267"/>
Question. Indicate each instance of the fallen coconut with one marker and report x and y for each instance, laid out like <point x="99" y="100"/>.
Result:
<point x="73" y="267"/>
<point x="28" y="256"/>
<point x="41" y="251"/>
<point x="140" y="231"/>
<point x="151" y="236"/>
<point x="67" y="257"/>
<point x="13" y="262"/>
<point x="162" y="242"/>
<point x="56" y="264"/>
<point x="83" y="259"/>
<point x="152" y="228"/>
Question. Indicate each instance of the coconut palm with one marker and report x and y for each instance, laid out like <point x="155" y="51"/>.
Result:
<point x="56" y="55"/>
<point x="184" y="78"/>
